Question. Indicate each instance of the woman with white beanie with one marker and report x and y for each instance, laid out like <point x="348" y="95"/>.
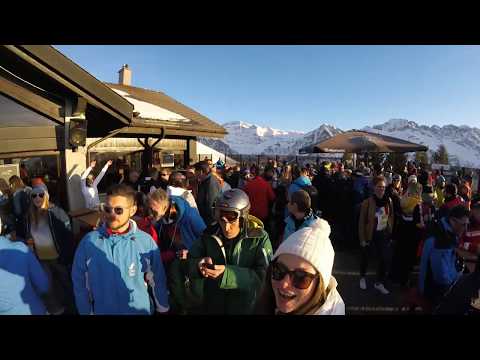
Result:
<point x="299" y="279"/>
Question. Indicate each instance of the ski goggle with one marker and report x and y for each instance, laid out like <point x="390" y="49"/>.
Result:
<point x="226" y="215"/>
<point x="109" y="209"/>
<point x="41" y="195"/>
<point x="299" y="278"/>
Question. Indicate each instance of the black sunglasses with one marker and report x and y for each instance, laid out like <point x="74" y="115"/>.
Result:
<point x="109" y="209"/>
<point x="300" y="279"/>
<point x="42" y="195"/>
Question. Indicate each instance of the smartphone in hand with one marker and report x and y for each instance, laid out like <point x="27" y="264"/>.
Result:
<point x="209" y="266"/>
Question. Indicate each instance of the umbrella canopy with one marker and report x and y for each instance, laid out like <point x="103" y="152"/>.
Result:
<point x="362" y="142"/>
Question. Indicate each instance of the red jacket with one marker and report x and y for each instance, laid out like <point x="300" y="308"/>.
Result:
<point x="146" y="225"/>
<point x="261" y="194"/>
<point x="470" y="240"/>
<point x="452" y="203"/>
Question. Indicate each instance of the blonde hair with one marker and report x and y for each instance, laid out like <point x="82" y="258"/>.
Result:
<point x="34" y="212"/>
<point x="159" y="196"/>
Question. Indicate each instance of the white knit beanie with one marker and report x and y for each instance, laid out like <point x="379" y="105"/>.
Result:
<point x="313" y="245"/>
<point x="412" y="178"/>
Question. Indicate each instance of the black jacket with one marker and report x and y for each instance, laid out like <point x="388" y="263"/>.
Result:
<point x="208" y="191"/>
<point x="61" y="229"/>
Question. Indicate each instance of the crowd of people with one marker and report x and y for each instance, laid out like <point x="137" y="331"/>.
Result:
<point x="212" y="239"/>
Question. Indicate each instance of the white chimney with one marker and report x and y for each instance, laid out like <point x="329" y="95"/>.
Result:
<point x="125" y="75"/>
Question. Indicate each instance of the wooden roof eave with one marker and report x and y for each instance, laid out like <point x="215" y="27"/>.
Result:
<point x="63" y="70"/>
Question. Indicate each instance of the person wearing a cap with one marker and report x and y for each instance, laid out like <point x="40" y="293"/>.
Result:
<point x="47" y="230"/>
<point x="375" y="228"/>
<point x="219" y="173"/>
<point x="469" y="246"/>
<point x="299" y="279"/>
<point x="440" y="184"/>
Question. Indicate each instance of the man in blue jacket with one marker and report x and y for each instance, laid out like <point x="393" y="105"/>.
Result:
<point x="301" y="213"/>
<point x="438" y="270"/>
<point x="115" y="265"/>
<point x="178" y="226"/>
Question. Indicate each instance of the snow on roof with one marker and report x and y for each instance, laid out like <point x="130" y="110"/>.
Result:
<point x="151" y="111"/>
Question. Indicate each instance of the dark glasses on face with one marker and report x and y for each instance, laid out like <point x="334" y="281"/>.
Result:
<point x="163" y="174"/>
<point x="42" y="195"/>
<point x="109" y="209"/>
<point x="299" y="278"/>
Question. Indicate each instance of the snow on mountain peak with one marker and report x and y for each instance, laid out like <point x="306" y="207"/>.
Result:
<point x="396" y="124"/>
<point x="462" y="142"/>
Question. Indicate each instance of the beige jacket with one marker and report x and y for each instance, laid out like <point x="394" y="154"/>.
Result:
<point x="366" y="222"/>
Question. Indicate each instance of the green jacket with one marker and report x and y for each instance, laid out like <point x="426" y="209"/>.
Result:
<point x="236" y="290"/>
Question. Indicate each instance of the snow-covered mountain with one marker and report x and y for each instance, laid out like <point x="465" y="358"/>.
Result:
<point x="247" y="138"/>
<point x="462" y="142"/>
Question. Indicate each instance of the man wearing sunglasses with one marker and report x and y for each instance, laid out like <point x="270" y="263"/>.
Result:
<point x="439" y="268"/>
<point x="117" y="264"/>
<point x="232" y="259"/>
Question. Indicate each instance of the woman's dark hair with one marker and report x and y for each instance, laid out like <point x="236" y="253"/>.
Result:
<point x="451" y="189"/>
<point x="141" y="201"/>
<point x="266" y="304"/>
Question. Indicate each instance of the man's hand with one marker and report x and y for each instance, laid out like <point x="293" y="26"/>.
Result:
<point x="219" y="270"/>
<point x="363" y="244"/>
<point x="201" y="265"/>
<point x="93" y="163"/>
<point x="109" y="162"/>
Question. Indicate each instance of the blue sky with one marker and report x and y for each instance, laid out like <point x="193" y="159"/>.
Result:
<point x="301" y="87"/>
